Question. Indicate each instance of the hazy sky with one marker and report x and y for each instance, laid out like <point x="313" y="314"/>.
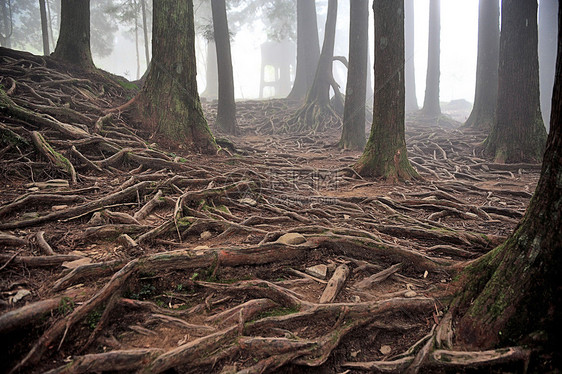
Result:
<point x="459" y="35"/>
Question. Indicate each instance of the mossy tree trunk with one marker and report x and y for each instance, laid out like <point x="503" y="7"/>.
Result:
<point x="308" y="49"/>
<point x="226" y="111"/>
<point x="411" y="98"/>
<point x="385" y="154"/>
<point x="518" y="134"/>
<point x="316" y="110"/>
<point x="168" y="103"/>
<point x="514" y="292"/>
<point x="73" y="45"/>
<point x="353" y="132"/>
<point x="548" y="9"/>
<point x="431" y="106"/>
<point x="486" y="95"/>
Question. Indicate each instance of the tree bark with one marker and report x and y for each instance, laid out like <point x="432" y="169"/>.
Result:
<point x="73" y="45"/>
<point x="411" y="99"/>
<point x="514" y="291"/>
<point x="431" y="106"/>
<point x="518" y="134"/>
<point x="308" y="49"/>
<point x="44" y="27"/>
<point x="486" y="95"/>
<point x="385" y="154"/>
<point x="353" y="133"/>
<point x="168" y="103"/>
<point x="548" y="9"/>
<point x="226" y="111"/>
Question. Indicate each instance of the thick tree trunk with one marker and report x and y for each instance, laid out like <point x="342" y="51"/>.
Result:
<point x="385" y="154"/>
<point x="411" y="99"/>
<point x="314" y="113"/>
<point x="73" y="45"/>
<point x="169" y="103"/>
<point x="353" y="133"/>
<point x="226" y="112"/>
<point x="211" y="73"/>
<point x="548" y="24"/>
<point x="44" y="27"/>
<point x="308" y="49"/>
<point x="514" y="291"/>
<point x="431" y="106"/>
<point x="486" y="96"/>
<point x="145" y="33"/>
<point x="518" y="134"/>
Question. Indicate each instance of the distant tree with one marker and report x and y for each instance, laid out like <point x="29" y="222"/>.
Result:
<point x="226" y="111"/>
<point x="513" y="292"/>
<point x="145" y="32"/>
<point x="385" y="154"/>
<point x="44" y="27"/>
<point x="411" y="99"/>
<point x="518" y="133"/>
<point x="7" y="23"/>
<point x="548" y="24"/>
<point x="308" y="49"/>
<point x="168" y="103"/>
<point x="431" y="106"/>
<point x="353" y="132"/>
<point x="73" y="45"/>
<point x="486" y="96"/>
<point x="314" y="113"/>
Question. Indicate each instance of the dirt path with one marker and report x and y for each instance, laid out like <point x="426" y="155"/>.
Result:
<point x="271" y="255"/>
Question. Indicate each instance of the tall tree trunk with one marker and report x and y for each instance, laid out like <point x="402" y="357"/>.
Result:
<point x="51" y="34"/>
<point x="514" y="291"/>
<point x="226" y="111"/>
<point x="548" y="9"/>
<point x="137" y="38"/>
<point x="385" y="154"/>
<point x="431" y="106"/>
<point x="315" y="112"/>
<point x="145" y="33"/>
<point x="44" y="27"/>
<point x="353" y="132"/>
<point x="486" y="95"/>
<point x="73" y="45"/>
<point x="211" y="73"/>
<point x="518" y="134"/>
<point x="308" y="49"/>
<point x="7" y="24"/>
<point x="411" y="99"/>
<point x="168" y="103"/>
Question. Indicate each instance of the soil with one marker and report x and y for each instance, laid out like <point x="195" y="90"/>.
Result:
<point x="178" y="291"/>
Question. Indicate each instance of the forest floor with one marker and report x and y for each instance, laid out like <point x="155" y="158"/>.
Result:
<point x="273" y="255"/>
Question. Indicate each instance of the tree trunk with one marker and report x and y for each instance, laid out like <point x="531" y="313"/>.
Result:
<point x="44" y="27"/>
<point x="353" y="132"/>
<point x="137" y="38"/>
<point x="411" y="99"/>
<point x="514" y="291"/>
<point x="7" y="24"/>
<point x="145" y="33"/>
<point x="314" y="113"/>
<point x="50" y="18"/>
<point x="431" y="105"/>
<point x="548" y="9"/>
<point x="385" y="154"/>
<point x="226" y="111"/>
<point x="486" y="96"/>
<point x="168" y="103"/>
<point x="211" y="74"/>
<point x="518" y="134"/>
<point x="308" y="49"/>
<point x="73" y="45"/>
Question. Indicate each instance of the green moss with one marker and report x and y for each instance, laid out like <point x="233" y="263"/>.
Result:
<point x="277" y="312"/>
<point x="66" y="306"/>
<point x="93" y="318"/>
